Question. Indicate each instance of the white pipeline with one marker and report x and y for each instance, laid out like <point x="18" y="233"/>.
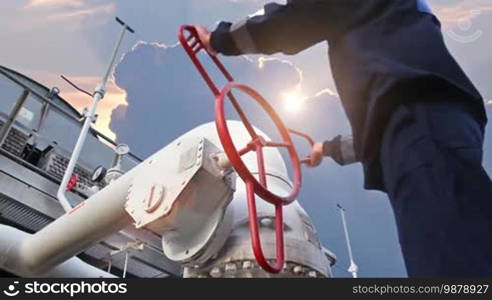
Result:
<point x="10" y="240"/>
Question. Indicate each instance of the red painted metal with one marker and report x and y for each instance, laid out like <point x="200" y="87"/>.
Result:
<point x="72" y="183"/>
<point x="255" y="235"/>
<point x="257" y="144"/>
<point x="188" y="38"/>
<point x="254" y="186"/>
<point x="306" y="160"/>
<point x="81" y="204"/>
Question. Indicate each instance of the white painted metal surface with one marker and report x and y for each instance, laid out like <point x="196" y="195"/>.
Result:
<point x="304" y="254"/>
<point x="353" y="268"/>
<point x="200" y="229"/>
<point x="74" y="267"/>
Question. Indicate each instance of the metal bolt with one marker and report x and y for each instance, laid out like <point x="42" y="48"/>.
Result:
<point x="297" y="270"/>
<point x="230" y="267"/>
<point x="267" y="222"/>
<point x="247" y="265"/>
<point x="215" y="272"/>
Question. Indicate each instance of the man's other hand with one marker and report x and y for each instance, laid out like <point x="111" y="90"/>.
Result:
<point x="316" y="156"/>
<point x="204" y="35"/>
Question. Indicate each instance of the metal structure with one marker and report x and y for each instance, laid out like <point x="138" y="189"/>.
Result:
<point x="33" y="159"/>
<point x="89" y="116"/>
<point x="190" y="41"/>
<point x="177" y="194"/>
<point x="353" y="268"/>
<point x="181" y="211"/>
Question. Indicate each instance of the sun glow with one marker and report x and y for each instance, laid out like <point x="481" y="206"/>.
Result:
<point x="293" y="101"/>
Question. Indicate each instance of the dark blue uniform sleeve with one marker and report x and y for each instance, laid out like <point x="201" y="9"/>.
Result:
<point x="293" y="27"/>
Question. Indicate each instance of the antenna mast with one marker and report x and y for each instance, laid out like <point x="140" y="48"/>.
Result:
<point x="353" y="268"/>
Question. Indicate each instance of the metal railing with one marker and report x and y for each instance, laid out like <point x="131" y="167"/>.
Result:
<point x="65" y="112"/>
<point x="71" y="116"/>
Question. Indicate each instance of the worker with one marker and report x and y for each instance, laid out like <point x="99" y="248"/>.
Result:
<point x="417" y="120"/>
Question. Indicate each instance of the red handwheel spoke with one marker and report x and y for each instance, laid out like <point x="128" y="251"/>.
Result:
<point x="198" y="48"/>
<point x="242" y="115"/>
<point x="245" y="150"/>
<point x="261" y="166"/>
<point x="303" y="135"/>
<point x="255" y="233"/>
<point x="257" y="140"/>
<point x="194" y="43"/>
<point x="278" y="144"/>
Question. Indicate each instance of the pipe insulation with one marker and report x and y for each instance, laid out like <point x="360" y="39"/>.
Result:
<point x="11" y="238"/>
<point x="86" y="224"/>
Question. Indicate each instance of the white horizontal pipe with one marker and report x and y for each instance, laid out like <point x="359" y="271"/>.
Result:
<point x="11" y="238"/>
<point x="91" y="221"/>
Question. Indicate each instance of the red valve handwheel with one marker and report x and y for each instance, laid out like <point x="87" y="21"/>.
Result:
<point x="253" y="186"/>
<point x="188" y="38"/>
<point x="257" y="144"/>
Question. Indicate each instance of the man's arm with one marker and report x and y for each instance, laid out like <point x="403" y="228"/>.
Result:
<point x="293" y="27"/>
<point x="287" y="28"/>
<point x="340" y="149"/>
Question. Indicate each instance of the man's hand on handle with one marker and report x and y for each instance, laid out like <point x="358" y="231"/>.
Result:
<point x="205" y="35"/>
<point x="316" y="156"/>
<point x="340" y="149"/>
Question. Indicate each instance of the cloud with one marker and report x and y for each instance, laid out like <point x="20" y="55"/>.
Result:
<point x="44" y="12"/>
<point x="73" y="15"/>
<point x="114" y="96"/>
<point x="326" y="91"/>
<point x="164" y="90"/>
<point x="52" y="3"/>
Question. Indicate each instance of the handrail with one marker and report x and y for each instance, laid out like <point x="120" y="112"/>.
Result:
<point x="65" y="112"/>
